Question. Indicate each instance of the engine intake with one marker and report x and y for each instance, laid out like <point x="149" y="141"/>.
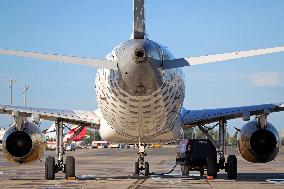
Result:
<point x="23" y="146"/>
<point x="258" y="145"/>
<point x="19" y="144"/>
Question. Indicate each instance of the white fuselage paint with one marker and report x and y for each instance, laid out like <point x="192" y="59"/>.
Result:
<point x="151" y="118"/>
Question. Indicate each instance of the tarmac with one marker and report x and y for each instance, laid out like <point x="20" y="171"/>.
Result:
<point x="113" y="168"/>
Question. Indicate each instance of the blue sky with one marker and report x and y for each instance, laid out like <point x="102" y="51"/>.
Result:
<point x="188" y="28"/>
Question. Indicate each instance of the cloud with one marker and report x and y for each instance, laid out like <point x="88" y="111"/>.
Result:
<point x="266" y="79"/>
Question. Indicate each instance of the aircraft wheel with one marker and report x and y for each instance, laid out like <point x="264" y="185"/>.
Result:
<point x="232" y="167"/>
<point x="146" y="169"/>
<point x="50" y="168"/>
<point x="184" y="170"/>
<point x="69" y="167"/>
<point x="136" y="171"/>
<point x="212" y="167"/>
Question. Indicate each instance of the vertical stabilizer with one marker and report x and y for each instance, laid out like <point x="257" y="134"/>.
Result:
<point x="138" y="19"/>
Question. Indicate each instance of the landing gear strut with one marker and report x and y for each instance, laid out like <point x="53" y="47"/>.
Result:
<point x="141" y="164"/>
<point x="213" y="167"/>
<point x="51" y="167"/>
<point x="231" y="165"/>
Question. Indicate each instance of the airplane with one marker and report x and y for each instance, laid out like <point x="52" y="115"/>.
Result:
<point x="75" y="134"/>
<point x="140" y="93"/>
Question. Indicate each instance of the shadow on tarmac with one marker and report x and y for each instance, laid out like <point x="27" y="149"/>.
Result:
<point x="255" y="177"/>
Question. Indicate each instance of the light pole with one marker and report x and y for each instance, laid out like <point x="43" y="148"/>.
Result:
<point x="11" y="83"/>
<point x="25" y="95"/>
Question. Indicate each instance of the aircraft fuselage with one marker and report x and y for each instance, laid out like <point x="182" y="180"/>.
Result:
<point x="140" y="99"/>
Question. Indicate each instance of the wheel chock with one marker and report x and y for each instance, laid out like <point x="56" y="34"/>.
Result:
<point x="210" y="177"/>
<point x="71" y="178"/>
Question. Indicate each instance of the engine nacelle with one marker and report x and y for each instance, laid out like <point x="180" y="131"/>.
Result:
<point x="258" y="145"/>
<point x="23" y="146"/>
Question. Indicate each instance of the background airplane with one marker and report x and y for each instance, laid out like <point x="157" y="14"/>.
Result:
<point x="50" y="133"/>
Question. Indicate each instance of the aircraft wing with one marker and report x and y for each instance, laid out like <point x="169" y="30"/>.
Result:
<point x="93" y="62"/>
<point x="206" y="116"/>
<point x="181" y="62"/>
<point x="86" y="118"/>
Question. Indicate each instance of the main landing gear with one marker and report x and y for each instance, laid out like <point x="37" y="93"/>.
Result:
<point x="213" y="166"/>
<point x="51" y="167"/>
<point x="141" y="165"/>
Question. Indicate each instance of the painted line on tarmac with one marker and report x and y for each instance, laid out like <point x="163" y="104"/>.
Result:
<point x="137" y="183"/>
<point x="275" y="181"/>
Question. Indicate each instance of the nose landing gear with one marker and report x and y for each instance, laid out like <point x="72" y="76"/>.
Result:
<point x="141" y="165"/>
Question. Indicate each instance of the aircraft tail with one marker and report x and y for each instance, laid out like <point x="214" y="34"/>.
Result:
<point x="138" y="19"/>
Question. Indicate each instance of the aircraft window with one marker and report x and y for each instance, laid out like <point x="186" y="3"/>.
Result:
<point x="165" y="92"/>
<point x="113" y="98"/>
<point x="114" y="105"/>
<point x="147" y="106"/>
<point x="170" y="90"/>
<point x="107" y="96"/>
<point x="131" y="106"/>
<point x="114" y="92"/>
<point x="156" y="107"/>
<point x="108" y="89"/>
<point x="167" y="104"/>
<point x="146" y="100"/>
<point x="133" y="112"/>
<point x="133" y="100"/>
<point x="147" y="112"/>
<point x="123" y="101"/>
<point x="121" y="112"/>
<point x="166" y="98"/>
<point x="157" y="100"/>
<point x="172" y="96"/>
<point x="121" y="93"/>
<point x="156" y="94"/>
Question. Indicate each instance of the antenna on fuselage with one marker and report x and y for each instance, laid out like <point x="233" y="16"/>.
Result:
<point x="138" y="19"/>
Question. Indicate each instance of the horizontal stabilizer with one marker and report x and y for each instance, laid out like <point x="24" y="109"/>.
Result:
<point x="100" y="63"/>
<point x="181" y="62"/>
<point x="176" y="63"/>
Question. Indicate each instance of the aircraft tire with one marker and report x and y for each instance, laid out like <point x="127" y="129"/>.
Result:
<point x="69" y="167"/>
<point x="136" y="168"/>
<point x="212" y="167"/>
<point x="232" y="167"/>
<point x="184" y="170"/>
<point x="146" y="169"/>
<point x="50" y="168"/>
